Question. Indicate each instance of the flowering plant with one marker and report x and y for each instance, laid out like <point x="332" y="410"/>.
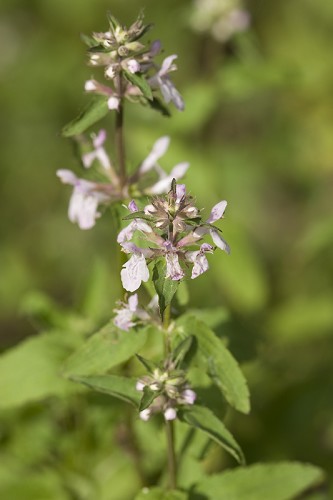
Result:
<point x="163" y="360"/>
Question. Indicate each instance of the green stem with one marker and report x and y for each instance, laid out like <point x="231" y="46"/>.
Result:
<point x="172" y="461"/>
<point x="169" y="424"/>
<point x="119" y="132"/>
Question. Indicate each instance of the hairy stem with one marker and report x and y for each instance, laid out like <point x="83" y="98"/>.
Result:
<point x="119" y="132"/>
<point x="169" y="424"/>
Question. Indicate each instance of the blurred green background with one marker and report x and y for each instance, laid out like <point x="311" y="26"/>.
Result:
<point x="258" y="131"/>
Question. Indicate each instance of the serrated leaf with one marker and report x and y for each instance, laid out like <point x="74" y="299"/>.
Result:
<point x="279" y="481"/>
<point x="160" y="494"/>
<point x="221" y="366"/>
<point x="92" y="113"/>
<point x="105" y="349"/>
<point x="165" y="287"/>
<point x="140" y="82"/>
<point x="148" y="397"/>
<point x="30" y="371"/>
<point x="205" y="420"/>
<point x="114" y="385"/>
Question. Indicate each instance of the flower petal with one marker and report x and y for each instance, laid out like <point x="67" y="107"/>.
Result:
<point x="158" y="150"/>
<point x="217" y="212"/>
<point x="219" y="242"/>
<point x="134" y="272"/>
<point x="173" y="270"/>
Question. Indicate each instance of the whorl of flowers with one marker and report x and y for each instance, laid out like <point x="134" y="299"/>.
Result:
<point x="172" y="228"/>
<point x="119" y="50"/>
<point x="89" y="195"/>
<point x="169" y="390"/>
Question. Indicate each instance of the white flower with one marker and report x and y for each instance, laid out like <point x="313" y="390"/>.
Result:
<point x="134" y="272"/>
<point x="189" y="396"/>
<point x="113" y="102"/>
<point x="162" y="80"/>
<point x="98" y="153"/>
<point x="133" y="66"/>
<point x="145" y="414"/>
<point x="158" y="150"/>
<point x="199" y="260"/>
<point x="84" y="200"/>
<point x="173" y="269"/>
<point x="128" y="313"/>
<point x="170" y="414"/>
<point x="164" y="183"/>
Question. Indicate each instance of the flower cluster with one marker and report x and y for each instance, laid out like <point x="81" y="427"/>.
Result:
<point x="130" y="314"/>
<point x="119" y="51"/>
<point x="222" y="18"/>
<point x="173" y="229"/>
<point x="169" y="390"/>
<point x="149" y="178"/>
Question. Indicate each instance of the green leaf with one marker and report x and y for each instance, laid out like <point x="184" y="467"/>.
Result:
<point x="279" y="481"/>
<point x="114" y="385"/>
<point x="147" y="398"/>
<point x="181" y="350"/>
<point x="205" y="420"/>
<point x="157" y="105"/>
<point x="138" y="215"/>
<point x="165" y="287"/>
<point x="104" y="350"/>
<point x="140" y="82"/>
<point x="92" y="113"/>
<point x="149" y="365"/>
<point x="160" y="494"/>
<point x="30" y="371"/>
<point x="221" y="366"/>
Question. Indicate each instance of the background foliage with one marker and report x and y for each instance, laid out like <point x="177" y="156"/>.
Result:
<point x="257" y="130"/>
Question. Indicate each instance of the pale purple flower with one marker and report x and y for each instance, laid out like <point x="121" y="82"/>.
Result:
<point x="126" y="234"/>
<point x="189" y="396"/>
<point x="98" y="152"/>
<point x="128" y="314"/>
<point x="162" y="80"/>
<point x="158" y="150"/>
<point x="84" y="201"/>
<point x="134" y="272"/>
<point x="132" y="65"/>
<point x="170" y="414"/>
<point x="173" y="270"/>
<point x="199" y="259"/>
<point x="164" y="183"/>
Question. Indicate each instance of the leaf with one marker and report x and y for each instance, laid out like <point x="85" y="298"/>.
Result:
<point x="205" y="420"/>
<point x="114" y="385"/>
<point x="160" y="494"/>
<point x="147" y="398"/>
<point x="165" y="287"/>
<point x="279" y="481"/>
<point x="157" y="105"/>
<point x="140" y="82"/>
<point x="104" y="350"/>
<point x="149" y="365"/>
<point x="220" y="364"/>
<point x="31" y="370"/>
<point x="181" y="350"/>
<point x="92" y="113"/>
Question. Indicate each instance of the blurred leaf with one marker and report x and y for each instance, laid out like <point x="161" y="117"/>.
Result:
<point x="105" y="349"/>
<point x="37" y="486"/>
<point x="140" y="82"/>
<point x="165" y="287"/>
<point x="92" y="113"/>
<point x="181" y="350"/>
<point x="31" y="370"/>
<point x="149" y="365"/>
<point x="114" y="385"/>
<point x="241" y="275"/>
<point x="205" y="420"/>
<point x="157" y="105"/>
<point x="220" y="364"/>
<point x="212" y="317"/>
<point x="302" y="318"/>
<point x="160" y="494"/>
<point x="279" y="481"/>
